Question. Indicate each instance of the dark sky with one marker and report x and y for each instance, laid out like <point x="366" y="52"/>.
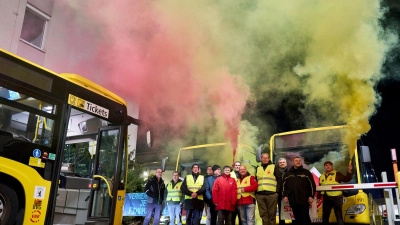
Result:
<point x="385" y="124"/>
<point x="385" y="129"/>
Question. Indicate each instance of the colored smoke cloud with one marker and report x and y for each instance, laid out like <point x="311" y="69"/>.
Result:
<point x="164" y="64"/>
<point x="194" y="65"/>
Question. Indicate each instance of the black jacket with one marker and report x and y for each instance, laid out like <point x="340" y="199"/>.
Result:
<point x="298" y="185"/>
<point x="155" y="190"/>
<point x="193" y="203"/>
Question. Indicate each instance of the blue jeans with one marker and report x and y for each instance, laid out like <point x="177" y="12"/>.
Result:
<point x="149" y="211"/>
<point x="174" y="212"/>
<point x="247" y="213"/>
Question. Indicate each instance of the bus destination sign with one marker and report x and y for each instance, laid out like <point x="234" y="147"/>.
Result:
<point x="88" y="106"/>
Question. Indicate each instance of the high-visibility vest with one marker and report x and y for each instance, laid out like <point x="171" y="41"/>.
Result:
<point x="266" y="179"/>
<point x="245" y="183"/>
<point x="329" y="179"/>
<point x="233" y="175"/>
<point x="174" y="193"/>
<point x="194" y="186"/>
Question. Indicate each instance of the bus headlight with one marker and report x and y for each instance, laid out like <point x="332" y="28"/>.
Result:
<point x="355" y="209"/>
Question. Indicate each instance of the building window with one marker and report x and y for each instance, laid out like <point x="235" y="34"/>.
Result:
<point x="34" y="27"/>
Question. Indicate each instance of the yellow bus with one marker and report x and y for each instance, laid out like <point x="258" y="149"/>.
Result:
<point x="317" y="145"/>
<point x="63" y="147"/>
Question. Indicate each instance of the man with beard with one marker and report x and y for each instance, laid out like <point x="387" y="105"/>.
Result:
<point x="298" y="190"/>
<point x="194" y="187"/>
<point x="246" y="202"/>
<point x="280" y="169"/>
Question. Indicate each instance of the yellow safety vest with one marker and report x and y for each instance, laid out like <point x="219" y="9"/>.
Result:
<point x="266" y="179"/>
<point x="329" y="180"/>
<point x="194" y="186"/>
<point x="174" y="193"/>
<point x="245" y="183"/>
<point x="233" y="175"/>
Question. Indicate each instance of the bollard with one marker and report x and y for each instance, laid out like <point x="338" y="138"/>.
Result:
<point x="387" y="193"/>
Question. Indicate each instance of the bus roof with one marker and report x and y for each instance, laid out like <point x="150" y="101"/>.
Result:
<point x="309" y="130"/>
<point x="74" y="78"/>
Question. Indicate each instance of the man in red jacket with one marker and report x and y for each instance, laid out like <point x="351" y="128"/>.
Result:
<point x="246" y="199"/>
<point x="224" y="194"/>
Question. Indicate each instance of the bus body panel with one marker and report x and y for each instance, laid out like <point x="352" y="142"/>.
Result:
<point x="119" y="207"/>
<point x="360" y="198"/>
<point x="35" y="203"/>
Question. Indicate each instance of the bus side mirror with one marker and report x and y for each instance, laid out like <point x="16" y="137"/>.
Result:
<point x="163" y="163"/>
<point x="365" y="154"/>
<point x="149" y="139"/>
<point x="258" y="152"/>
<point x="142" y="125"/>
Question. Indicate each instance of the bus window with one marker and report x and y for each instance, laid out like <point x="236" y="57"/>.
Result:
<point x="27" y="100"/>
<point x="80" y="146"/>
<point x="106" y="169"/>
<point x="26" y="125"/>
<point x="79" y="156"/>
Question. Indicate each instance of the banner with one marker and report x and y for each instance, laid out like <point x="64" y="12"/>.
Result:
<point x="286" y="211"/>
<point x="135" y="205"/>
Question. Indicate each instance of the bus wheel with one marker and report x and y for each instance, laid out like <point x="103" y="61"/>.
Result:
<point x="8" y="205"/>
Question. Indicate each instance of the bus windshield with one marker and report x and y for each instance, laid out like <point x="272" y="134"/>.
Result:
<point x="314" y="146"/>
<point x="210" y="154"/>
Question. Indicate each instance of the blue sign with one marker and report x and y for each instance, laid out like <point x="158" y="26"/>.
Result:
<point x="135" y="205"/>
<point x="37" y="153"/>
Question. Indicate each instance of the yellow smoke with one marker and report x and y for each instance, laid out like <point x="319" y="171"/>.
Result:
<point x="331" y="52"/>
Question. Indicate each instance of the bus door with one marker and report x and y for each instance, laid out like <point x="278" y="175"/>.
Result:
<point x="107" y="175"/>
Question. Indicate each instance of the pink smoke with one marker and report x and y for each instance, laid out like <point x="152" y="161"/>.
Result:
<point x="150" y="63"/>
<point x="230" y="101"/>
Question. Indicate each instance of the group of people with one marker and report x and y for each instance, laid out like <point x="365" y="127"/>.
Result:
<point x="228" y="194"/>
